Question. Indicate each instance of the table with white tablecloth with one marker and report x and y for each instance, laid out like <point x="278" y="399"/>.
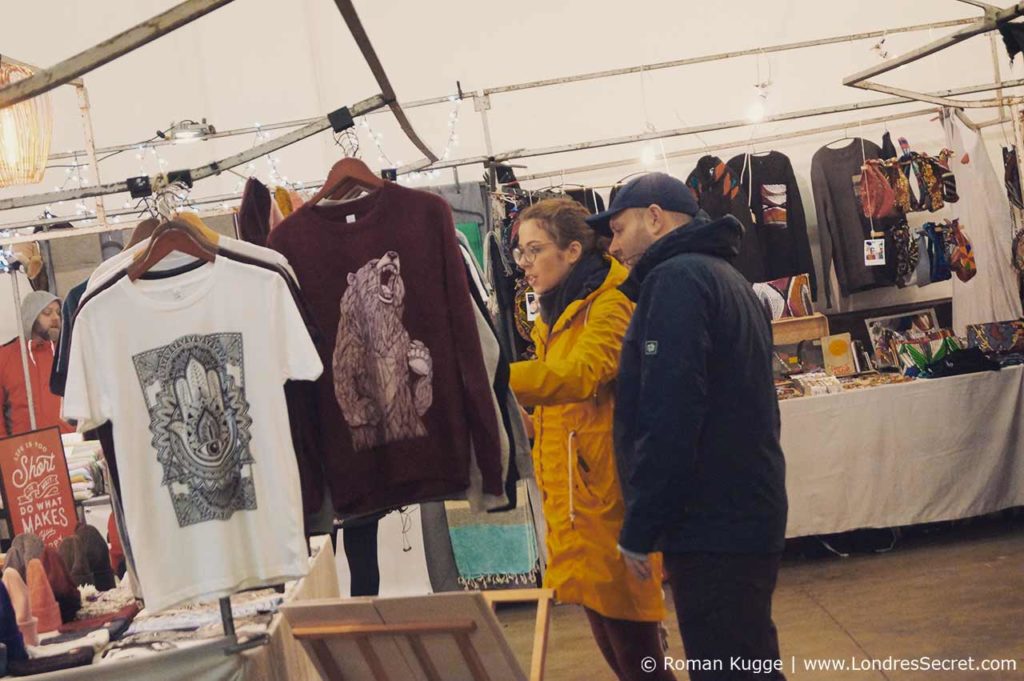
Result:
<point x="925" y="451"/>
<point x="281" y="659"/>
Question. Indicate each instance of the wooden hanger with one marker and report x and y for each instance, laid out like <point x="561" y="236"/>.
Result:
<point x="346" y="175"/>
<point x="197" y="222"/>
<point x="143" y="231"/>
<point x="175" y="235"/>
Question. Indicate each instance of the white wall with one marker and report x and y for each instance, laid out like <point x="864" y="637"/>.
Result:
<point x="266" y="61"/>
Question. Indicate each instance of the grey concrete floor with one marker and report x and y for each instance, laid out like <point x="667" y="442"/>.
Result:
<point x="949" y="593"/>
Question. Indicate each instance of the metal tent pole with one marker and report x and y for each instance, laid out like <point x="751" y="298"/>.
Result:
<point x="684" y="153"/>
<point x="110" y="49"/>
<point x="90" y="147"/>
<point x="993" y="18"/>
<point x="678" y="132"/>
<point x="355" y="26"/>
<point x="518" y="87"/>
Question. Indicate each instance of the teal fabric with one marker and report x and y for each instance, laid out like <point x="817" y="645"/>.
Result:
<point x="494" y="550"/>
<point x="483" y="550"/>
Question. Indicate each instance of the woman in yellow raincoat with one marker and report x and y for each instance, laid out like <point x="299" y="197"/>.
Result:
<point x="583" y="318"/>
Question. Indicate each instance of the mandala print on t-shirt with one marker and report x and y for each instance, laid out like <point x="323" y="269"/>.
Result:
<point x="195" y="392"/>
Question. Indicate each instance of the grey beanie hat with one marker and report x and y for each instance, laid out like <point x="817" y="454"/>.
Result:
<point x="32" y="306"/>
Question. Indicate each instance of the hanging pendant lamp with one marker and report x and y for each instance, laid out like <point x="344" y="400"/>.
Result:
<point x="25" y="133"/>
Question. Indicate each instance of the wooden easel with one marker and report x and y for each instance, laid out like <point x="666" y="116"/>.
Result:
<point x="543" y="597"/>
<point x="444" y="637"/>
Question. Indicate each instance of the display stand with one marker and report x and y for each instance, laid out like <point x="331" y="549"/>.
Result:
<point x="227" y="618"/>
<point x="455" y="637"/>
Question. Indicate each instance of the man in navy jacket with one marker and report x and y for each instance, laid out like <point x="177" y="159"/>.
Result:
<point x="697" y="426"/>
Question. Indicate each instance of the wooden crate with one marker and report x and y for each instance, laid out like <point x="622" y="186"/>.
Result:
<point x="796" y="329"/>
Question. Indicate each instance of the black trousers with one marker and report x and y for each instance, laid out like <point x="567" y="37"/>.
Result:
<point x="724" y="606"/>
<point x="361" y="550"/>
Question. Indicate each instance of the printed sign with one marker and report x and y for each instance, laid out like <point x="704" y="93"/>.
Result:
<point x="36" y="486"/>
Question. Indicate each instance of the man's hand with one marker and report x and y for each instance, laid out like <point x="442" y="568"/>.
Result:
<point x="638" y="564"/>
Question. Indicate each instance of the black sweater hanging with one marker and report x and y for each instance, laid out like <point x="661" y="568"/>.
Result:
<point x="770" y="184"/>
<point x="719" y="193"/>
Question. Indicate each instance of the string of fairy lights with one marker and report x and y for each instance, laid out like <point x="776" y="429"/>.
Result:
<point x="151" y="162"/>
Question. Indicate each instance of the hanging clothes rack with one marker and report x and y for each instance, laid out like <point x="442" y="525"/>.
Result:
<point x="566" y="171"/>
<point x="341" y="117"/>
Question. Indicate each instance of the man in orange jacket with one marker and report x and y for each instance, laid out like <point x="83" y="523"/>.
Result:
<point x="40" y="318"/>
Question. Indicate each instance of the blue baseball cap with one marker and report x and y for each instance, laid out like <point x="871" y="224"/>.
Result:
<point x="650" y="189"/>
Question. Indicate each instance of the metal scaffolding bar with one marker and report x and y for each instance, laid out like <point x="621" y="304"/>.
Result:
<point x="725" y="55"/>
<point x="90" y="147"/>
<point x="992" y="19"/>
<point x="108" y="50"/>
<point x="249" y="130"/>
<point x="736" y="144"/>
<point x="516" y="87"/>
<point x="678" y="132"/>
<point x="202" y="172"/>
<point x="355" y="26"/>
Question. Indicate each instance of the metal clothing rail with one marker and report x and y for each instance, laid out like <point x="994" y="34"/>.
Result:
<point x="355" y="27"/>
<point x="378" y="102"/>
<point x="517" y="87"/>
<point x="678" y="132"/>
<point x="737" y="144"/>
<point x="222" y="198"/>
<point x="202" y="172"/>
<point x="98" y="55"/>
<point x="992" y="19"/>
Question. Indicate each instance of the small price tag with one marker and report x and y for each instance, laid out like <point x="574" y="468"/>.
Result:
<point x="349" y="219"/>
<point x="874" y="252"/>
<point x="532" y="306"/>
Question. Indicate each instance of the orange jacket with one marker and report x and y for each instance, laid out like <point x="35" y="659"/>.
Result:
<point x="572" y="385"/>
<point x="12" y="389"/>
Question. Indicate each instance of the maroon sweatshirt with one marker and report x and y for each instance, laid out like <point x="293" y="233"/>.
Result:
<point x="404" y="386"/>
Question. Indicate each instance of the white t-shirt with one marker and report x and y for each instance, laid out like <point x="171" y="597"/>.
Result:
<point x="112" y="266"/>
<point x="191" y="370"/>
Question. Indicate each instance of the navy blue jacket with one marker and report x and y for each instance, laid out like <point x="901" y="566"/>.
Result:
<point x="697" y="416"/>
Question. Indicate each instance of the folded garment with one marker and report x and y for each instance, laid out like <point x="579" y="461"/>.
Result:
<point x="147" y="645"/>
<point x="97" y="640"/>
<point x="97" y="554"/>
<point x="80" y="657"/>
<point x="24" y="548"/>
<point x="123" y="617"/>
<point x="72" y="550"/>
<point x="64" y="589"/>
<point x="40" y="596"/>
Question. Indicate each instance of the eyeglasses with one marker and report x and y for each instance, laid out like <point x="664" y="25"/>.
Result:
<point x="527" y="256"/>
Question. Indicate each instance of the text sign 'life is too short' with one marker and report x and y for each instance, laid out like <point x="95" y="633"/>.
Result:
<point x="36" y="486"/>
